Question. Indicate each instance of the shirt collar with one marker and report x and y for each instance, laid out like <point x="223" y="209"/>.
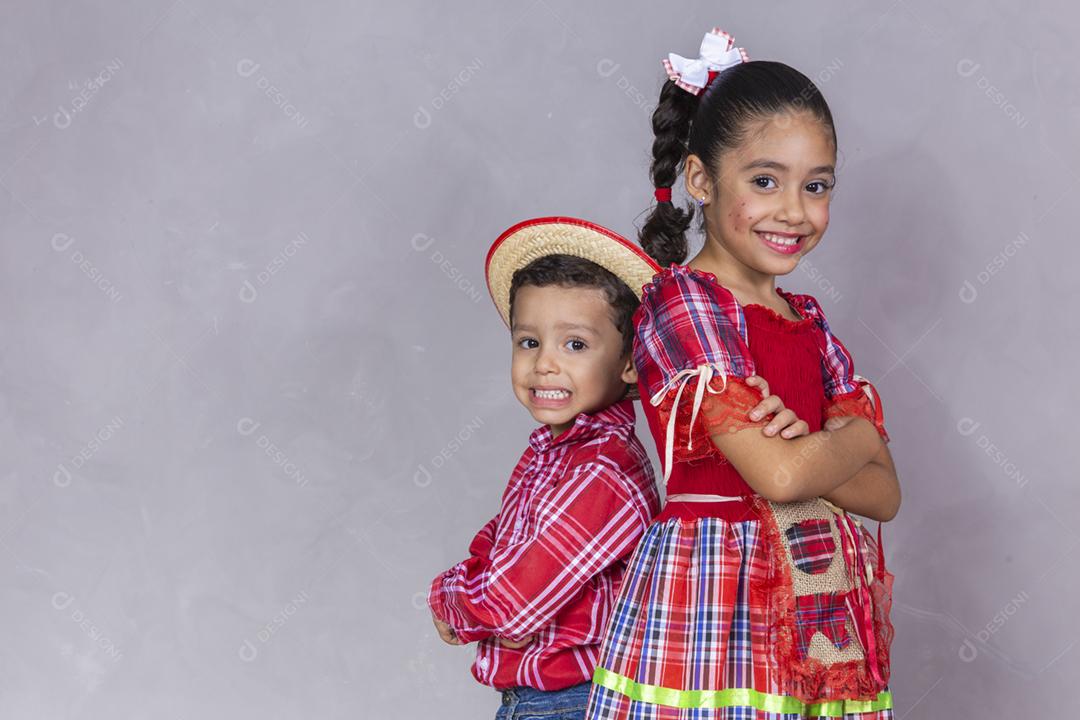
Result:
<point x="586" y="426"/>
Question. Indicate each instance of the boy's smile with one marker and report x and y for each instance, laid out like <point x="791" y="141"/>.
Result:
<point x="551" y="397"/>
<point x="567" y="354"/>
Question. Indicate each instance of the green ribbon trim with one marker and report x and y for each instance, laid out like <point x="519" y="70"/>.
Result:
<point x="736" y="697"/>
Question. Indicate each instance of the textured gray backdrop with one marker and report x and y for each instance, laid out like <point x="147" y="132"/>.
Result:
<point x="253" y="395"/>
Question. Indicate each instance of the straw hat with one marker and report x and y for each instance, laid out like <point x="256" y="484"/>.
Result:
<point x="531" y="239"/>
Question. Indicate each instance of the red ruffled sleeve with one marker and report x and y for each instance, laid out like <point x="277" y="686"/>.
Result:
<point x="690" y="343"/>
<point x="725" y="412"/>
<point x="863" y="401"/>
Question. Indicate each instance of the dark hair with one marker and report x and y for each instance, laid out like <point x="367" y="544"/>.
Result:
<point x="710" y="123"/>
<point x="572" y="271"/>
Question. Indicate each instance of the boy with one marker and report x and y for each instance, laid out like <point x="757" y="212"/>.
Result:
<point x="543" y="574"/>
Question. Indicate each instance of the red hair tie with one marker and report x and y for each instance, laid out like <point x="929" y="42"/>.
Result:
<point x="663" y="194"/>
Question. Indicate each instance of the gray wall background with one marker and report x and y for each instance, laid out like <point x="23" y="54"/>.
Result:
<point x="253" y="396"/>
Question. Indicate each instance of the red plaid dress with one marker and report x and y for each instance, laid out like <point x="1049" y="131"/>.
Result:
<point x="548" y="566"/>
<point x="693" y="634"/>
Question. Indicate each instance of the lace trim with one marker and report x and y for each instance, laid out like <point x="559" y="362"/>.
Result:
<point x="722" y="411"/>
<point x="861" y="402"/>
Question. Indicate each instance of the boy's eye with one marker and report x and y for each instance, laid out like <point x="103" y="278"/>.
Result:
<point x="576" y="345"/>
<point x="524" y="343"/>
<point x="821" y="185"/>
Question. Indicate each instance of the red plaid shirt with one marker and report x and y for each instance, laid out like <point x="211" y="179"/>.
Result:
<point x="549" y="565"/>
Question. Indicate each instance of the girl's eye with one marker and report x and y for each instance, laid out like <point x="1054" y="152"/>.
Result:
<point x="762" y="181"/>
<point x="524" y="343"/>
<point x="576" y="345"/>
<point x="822" y="187"/>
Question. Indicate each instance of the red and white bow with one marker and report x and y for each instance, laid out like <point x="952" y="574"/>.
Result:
<point x="717" y="53"/>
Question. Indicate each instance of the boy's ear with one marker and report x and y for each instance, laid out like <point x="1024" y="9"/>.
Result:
<point x="629" y="373"/>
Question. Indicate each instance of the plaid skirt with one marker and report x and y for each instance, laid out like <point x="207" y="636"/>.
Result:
<point x="689" y="636"/>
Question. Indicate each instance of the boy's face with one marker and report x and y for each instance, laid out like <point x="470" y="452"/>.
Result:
<point x="567" y="356"/>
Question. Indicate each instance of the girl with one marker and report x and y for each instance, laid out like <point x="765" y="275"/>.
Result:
<point x="752" y="594"/>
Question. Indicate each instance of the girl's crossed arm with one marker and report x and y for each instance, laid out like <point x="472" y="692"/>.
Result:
<point x="816" y="465"/>
<point x="873" y="491"/>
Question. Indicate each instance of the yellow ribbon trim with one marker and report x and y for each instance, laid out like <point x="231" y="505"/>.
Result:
<point x="736" y="697"/>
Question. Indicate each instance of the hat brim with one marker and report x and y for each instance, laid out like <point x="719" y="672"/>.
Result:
<point x="532" y="239"/>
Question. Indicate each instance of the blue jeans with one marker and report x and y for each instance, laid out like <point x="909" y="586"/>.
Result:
<point x="526" y="703"/>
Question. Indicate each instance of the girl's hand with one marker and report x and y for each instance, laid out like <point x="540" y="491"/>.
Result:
<point x="785" y="422"/>
<point x="516" y="645"/>
<point x="446" y="633"/>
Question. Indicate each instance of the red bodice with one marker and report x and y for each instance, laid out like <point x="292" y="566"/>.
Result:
<point x="787" y="353"/>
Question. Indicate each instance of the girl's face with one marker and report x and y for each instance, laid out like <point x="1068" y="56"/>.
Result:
<point x="769" y="205"/>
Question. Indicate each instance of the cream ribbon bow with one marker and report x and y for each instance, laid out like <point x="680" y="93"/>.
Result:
<point x="704" y="374"/>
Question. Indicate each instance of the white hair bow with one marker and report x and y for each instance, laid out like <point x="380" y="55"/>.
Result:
<point x="718" y="52"/>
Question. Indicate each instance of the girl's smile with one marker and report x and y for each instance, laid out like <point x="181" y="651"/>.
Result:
<point x="783" y="243"/>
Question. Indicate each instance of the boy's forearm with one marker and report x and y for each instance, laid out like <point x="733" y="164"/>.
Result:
<point x="451" y="606"/>
<point x="440" y="594"/>
<point x="479" y="616"/>
<point x="519" y="588"/>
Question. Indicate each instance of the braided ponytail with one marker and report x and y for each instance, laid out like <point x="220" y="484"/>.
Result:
<point x="663" y="236"/>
